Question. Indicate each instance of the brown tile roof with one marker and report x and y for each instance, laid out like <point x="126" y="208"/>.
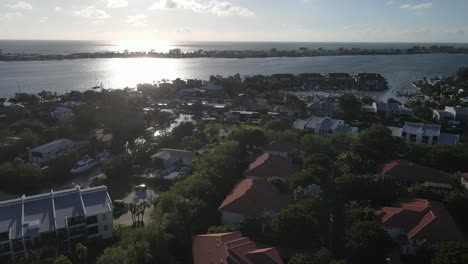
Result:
<point x="231" y="248"/>
<point x="411" y="172"/>
<point x="253" y="196"/>
<point x="268" y="165"/>
<point x="422" y="220"/>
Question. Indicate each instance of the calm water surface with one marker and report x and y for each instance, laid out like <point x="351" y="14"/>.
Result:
<point x="64" y="76"/>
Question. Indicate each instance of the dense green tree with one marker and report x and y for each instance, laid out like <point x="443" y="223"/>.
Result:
<point x="450" y="253"/>
<point x="377" y="144"/>
<point x="313" y="174"/>
<point x="349" y="107"/>
<point x="457" y="204"/>
<point x="62" y="260"/>
<point x="115" y="255"/>
<point x="302" y="259"/>
<point x="377" y="189"/>
<point x="222" y="229"/>
<point x="367" y="242"/>
<point x="249" y="138"/>
<point x="298" y="225"/>
<point x="81" y="253"/>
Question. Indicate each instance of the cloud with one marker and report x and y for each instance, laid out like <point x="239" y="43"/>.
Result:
<point x="44" y="19"/>
<point x="21" y="6"/>
<point x="117" y="3"/>
<point x="138" y="20"/>
<point x="216" y="7"/>
<point x="58" y="9"/>
<point x="10" y="16"/>
<point x="91" y="12"/>
<point x="417" y="7"/>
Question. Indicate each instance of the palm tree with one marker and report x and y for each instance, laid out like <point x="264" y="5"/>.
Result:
<point x="81" y="253"/>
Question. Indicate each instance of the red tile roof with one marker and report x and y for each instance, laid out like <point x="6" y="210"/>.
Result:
<point x="268" y="165"/>
<point x="253" y="196"/>
<point x="422" y="220"/>
<point x="411" y="172"/>
<point x="231" y="248"/>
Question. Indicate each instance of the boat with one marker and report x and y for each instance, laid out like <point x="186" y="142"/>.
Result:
<point x="84" y="165"/>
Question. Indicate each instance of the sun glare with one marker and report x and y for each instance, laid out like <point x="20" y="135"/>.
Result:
<point x="144" y="45"/>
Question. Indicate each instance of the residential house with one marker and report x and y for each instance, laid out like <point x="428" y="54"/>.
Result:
<point x="174" y="157"/>
<point x="411" y="173"/>
<point x="12" y="112"/>
<point x="283" y="148"/>
<point x="323" y="108"/>
<point x="231" y="248"/>
<point x="424" y="134"/>
<point x="311" y="78"/>
<point x="62" y="218"/>
<point x="443" y="116"/>
<point x="452" y="113"/>
<point x="252" y="197"/>
<point x="50" y="151"/>
<point x="387" y="110"/>
<point x="371" y="81"/>
<point x="339" y="77"/>
<point x="460" y="113"/>
<point x="244" y="116"/>
<point x="411" y="221"/>
<point x="268" y="165"/>
<point x="284" y="79"/>
<point x="62" y="114"/>
<point x="323" y="126"/>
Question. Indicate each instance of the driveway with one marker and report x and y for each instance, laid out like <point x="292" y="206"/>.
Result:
<point x="137" y="197"/>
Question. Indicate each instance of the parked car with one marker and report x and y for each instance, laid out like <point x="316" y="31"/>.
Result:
<point x="120" y="208"/>
<point x="141" y="188"/>
<point x="84" y="165"/>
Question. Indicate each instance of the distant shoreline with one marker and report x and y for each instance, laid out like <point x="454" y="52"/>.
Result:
<point x="236" y="54"/>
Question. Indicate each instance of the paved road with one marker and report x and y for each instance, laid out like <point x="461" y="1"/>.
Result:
<point x="137" y="197"/>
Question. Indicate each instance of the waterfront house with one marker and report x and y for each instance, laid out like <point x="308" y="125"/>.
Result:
<point x="311" y="78"/>
<point x="323" y="126"/>
<point x="268" y="165"/>
<point x="339" y="77"/>
<point x="174" y="157"/>
<point x="371" y="82"/>
<point x="62" y="114"/>
<point x="231" y="248"/>
<point x="50" y="151"/>
<point x="411" y="221"/>
<point x="252" y="197"/>
<point x="424" y="134"/>
<point x="62" y="218"/>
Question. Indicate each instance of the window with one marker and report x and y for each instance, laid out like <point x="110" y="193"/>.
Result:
<point x="4" y="236"/>
<point x="92" y="230"/>
<point x="412" y="138"/>
<point x="403" y="134"/>
<point x="104" y="228"/>
<point x="91" y="220"/>
<point x="425" y="140"/>
<point x="104" y="217"/>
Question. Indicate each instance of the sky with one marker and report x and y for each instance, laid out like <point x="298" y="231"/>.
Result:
<point x="237" y="20"/>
